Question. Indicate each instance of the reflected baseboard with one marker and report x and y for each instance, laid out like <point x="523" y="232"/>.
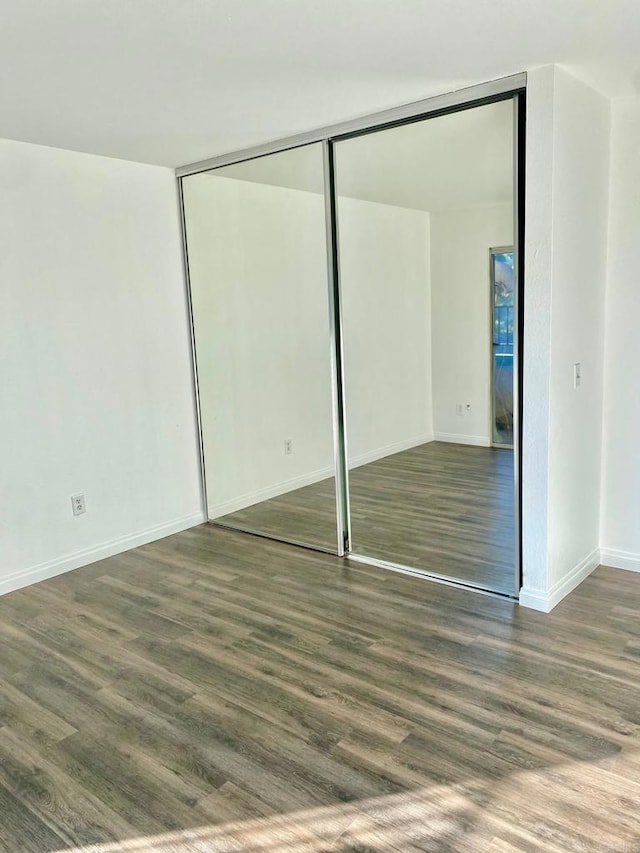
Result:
<point x="389" y="450"/>
<point x="458" y="438"/>
<point x="218" y="510"/>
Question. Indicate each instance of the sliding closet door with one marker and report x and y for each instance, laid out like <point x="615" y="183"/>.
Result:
<point x="420" y="206"/>
<point x="256" y="247"/>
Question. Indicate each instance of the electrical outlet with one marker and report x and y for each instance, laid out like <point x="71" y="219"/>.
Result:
<point x="459" y="409"/>
<point x="467" y="408"/>
<point x="78" y="504"/>
<point x="288" y="446"/>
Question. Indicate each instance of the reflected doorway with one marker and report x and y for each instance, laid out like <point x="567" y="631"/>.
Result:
<point x="502" y="339"/>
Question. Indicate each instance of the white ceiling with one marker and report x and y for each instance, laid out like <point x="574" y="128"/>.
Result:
<point x="174" y="81"/>
<point x="445" y="163"/>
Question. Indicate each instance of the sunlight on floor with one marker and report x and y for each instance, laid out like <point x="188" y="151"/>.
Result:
<point x="543" y="809"/>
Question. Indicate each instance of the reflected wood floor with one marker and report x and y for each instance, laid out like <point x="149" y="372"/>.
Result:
<point x="446" y="508"/>
<point x="217" y="692"/>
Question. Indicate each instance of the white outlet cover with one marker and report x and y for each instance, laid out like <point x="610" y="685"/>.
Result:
<point x="78" y="504"/>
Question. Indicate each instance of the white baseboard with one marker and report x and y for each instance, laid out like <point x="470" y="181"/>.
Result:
<point x="50" y="569"/>
<point x="617" y="559"/>
<point x="456" y="438"/>
<point x="217" y="510"/>
<point x="534" y="599"/>
<point x="546" y="601"/>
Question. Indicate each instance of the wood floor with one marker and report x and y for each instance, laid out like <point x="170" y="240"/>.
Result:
<point x="219" y="692"/>
<point x="445" y="508"/>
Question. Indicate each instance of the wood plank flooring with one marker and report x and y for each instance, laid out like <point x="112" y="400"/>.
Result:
<point x="445" y="508"/>
<point x="219" y="692"/>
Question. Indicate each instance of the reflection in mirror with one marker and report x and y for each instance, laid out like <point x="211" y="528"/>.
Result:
<point x="257" y="265"/>
<point x="428" y="331"/>
<point x="502" y="302"/>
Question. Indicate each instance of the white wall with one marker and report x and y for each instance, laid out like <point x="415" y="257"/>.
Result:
<point x="461" y="317"/>
<point x="620" y="536"/>
<point x="580" y="219"/>
<point x="261" y="309"/>
<point x="96" y="391"/>
<point x="567" y="201"/>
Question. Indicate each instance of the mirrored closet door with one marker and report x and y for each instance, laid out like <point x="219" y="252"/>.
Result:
<point x="356" y="313"/>
<point x="256" y="248"/>
<point x="428" y="387"/>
